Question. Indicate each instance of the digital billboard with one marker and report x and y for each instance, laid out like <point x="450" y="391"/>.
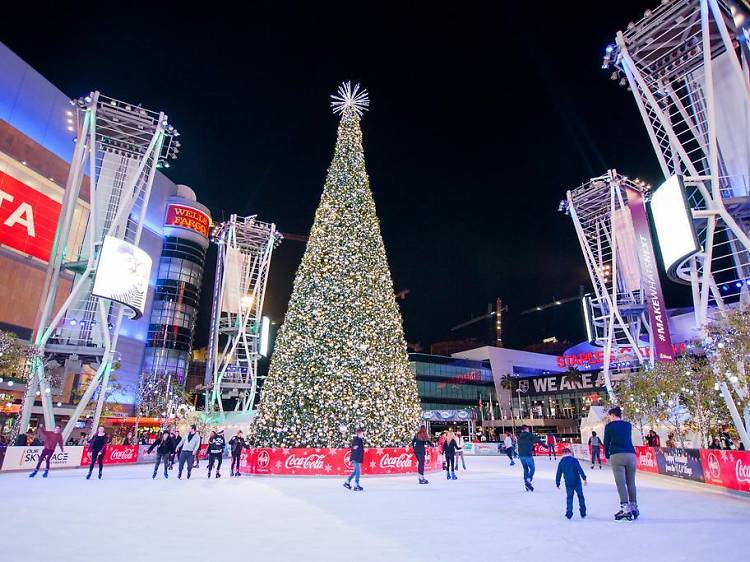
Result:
<point x="122" y="274"/>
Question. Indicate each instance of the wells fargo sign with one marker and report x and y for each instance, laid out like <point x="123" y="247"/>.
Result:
<point x="183" y="216"/>
<point x="28" y="218"/>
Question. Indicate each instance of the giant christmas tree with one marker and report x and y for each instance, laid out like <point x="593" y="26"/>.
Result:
<point x="340" y="358"/>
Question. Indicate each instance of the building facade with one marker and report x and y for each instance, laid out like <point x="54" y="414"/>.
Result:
<point x="37" y="133"/>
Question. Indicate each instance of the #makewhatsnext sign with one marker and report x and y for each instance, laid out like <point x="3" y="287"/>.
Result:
<point x="553" y="384"/>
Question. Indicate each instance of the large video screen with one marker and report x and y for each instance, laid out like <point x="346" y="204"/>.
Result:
<point x="674" y="224"/>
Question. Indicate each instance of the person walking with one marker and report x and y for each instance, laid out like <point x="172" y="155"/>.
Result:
<point x="236" y="444"/>
<point x="97" y="448"/>
<point x="596" y="449"/>
<point x="526" y="441"/>
<point x="357" y="456"/>
<point x="51" y="440"/>
<point x="460" y="450"/>
<point x="619" y="450"/>
<point x="188" y="448"/>
<point x="419" y="444"/>
<point x="571" y="470"/>
<point x="509" y="448"/>
<point x="449" y="450"/>
<point x="216" y="445"/>
<point x="551" y="446"/>
<point x="164" y="446"/>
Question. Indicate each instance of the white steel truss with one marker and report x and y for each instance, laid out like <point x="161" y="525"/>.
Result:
<point x="686" y="64"/>
<point x="118" y="150"/>
<point x="245" y="245"/>
<point x="617" y="309"/>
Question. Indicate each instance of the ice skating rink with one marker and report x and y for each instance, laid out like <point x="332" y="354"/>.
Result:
<point x="484" y="515"/>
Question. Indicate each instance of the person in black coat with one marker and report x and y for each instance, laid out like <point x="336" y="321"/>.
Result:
<point x="97" y="446"/>
<point x="419" y="444"/>
<point x="164" y="445"/>
<point x="357" y="457"/>
<point x="216" y="444"/>
<point x="449" y="450"/>
<point x="236" y="444"/>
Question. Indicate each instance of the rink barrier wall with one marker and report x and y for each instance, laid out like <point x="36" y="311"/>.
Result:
<point x="334" y="461"/>
<point x="715" y="467"/>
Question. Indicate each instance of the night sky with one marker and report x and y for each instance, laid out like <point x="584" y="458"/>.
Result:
<point x="481" y="118"/>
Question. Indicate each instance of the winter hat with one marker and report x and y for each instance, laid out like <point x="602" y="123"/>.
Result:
<point x="220" y="430"/>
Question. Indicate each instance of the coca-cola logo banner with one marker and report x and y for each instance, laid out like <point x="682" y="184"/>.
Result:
<point x="728" y="469"/>
<point x="114" y="454"/>
<point x="333" y="461"/>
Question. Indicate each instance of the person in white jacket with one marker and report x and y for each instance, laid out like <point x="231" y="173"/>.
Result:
<point x="188" y="449"/>
<point x="509" y="447"/>
<point x="460" y="450"/>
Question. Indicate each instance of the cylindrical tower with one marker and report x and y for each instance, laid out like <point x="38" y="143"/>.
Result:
<point x="178" y="285"/>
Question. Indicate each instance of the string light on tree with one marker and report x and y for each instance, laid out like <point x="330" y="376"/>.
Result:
<point x="340" y="357"/>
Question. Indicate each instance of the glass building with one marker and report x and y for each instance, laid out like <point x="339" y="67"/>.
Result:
<point x="178" y="285"/>
<point x="447" y="383"/>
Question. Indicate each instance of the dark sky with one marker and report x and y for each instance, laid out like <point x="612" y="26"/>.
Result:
<point x="481" y="118"/>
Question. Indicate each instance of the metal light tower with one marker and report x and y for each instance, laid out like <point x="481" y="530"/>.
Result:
<point x="616" y="313"/>
<point x="688" y="74"/>
<point x="686" y="63"/>
<point x="118" y="149"/>
<point x="245" y="245"/>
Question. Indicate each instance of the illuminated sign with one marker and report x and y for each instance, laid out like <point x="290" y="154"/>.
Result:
<point x="28" y="218"/>
<point x="591" y="358"/>
<point x="673" y="223"/>
<point x="183" y="216"/>
<point x="122" y="274"/>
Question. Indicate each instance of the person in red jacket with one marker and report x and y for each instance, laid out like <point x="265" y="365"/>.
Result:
<point x="551" y="446"/>
<point x="51" y="440"/>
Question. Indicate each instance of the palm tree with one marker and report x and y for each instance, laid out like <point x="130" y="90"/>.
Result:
<point x="573" y="376"/>
<point x="507" y="382"/>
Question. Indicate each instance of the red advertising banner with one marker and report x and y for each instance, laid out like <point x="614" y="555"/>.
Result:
<point x="334" y="462"/>
<point x="113" y="454"/>
<point x="183" y="216"/>
<point x="541" y="450"/>
<point x="28" y="218"/>
<point x="646" y="459"/>
<point x="657" y="310"/>
<point x="728" y="469"/>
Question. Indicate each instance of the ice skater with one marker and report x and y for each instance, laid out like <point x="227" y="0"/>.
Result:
<point x="596" y="449"/>
<point x="236" y="444"/>
<point x="419" y="444"/>
<point x="460" y="450"/>
<point x="164" y="446"/>
<point x="509" y="448"/>
<point x="552" y="446"/>
<point x="216" y="445"/>
<point x="188" y="448"/>
<point x="619" y="450"/>
<point x="526" y="441"/>
<point x="449" y="450"/>
<point x="51" y="440"/>
<point x="357" y="457"/>
<point x="177" y="440"/>
<point x="570" y="469"/>
<point x="97" y="448"/>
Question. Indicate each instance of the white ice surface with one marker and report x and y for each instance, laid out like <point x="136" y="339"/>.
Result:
<point x="485" y="515"/>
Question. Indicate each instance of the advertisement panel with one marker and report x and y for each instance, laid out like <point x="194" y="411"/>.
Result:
<point x="113" y="454"/>
<point x="334" y="462"/>
<point x="657" y="310"/>
<point x="552" y="384"/>
<point x="646" y="459"/>
<point x="182" y="216"/>
<point x="25" y="458"/>
<point x="728" y="469"/>
<point x="673" y="223"/>
<point x="122" y="274"/>
<point x="28" y="218"/>
<point x="680" y="463"/>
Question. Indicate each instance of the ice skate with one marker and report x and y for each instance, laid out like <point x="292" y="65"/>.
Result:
<point x="347" y="486"/>
<point x="218" y="474"/>
<point x="624" y="513"/>
<point x="88" y="476"/>
<point x="46" y="472"/>
<point x="33" y="473"/>
<point x="634" y="511"/>
<point x="569" y="516"/>
<point x="166" y="475"/>
<point x="423" y="481"/>
<point x="100" y="475"/>
<point x="453" y="476"/>
<point x="528" y="485"/>
<point x="153" y="476"/>
<point x="209" y="473"/>
<point x="358" y="488"/>
<point x="447" y="475"/>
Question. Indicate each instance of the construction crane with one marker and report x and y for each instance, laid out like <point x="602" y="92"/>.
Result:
<point x="555" y="302"/>
<point x="497" y="313"/>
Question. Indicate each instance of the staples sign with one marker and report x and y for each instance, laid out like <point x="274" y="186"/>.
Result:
<point x="28" y="218"/>
<point x="187" y="217"/>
